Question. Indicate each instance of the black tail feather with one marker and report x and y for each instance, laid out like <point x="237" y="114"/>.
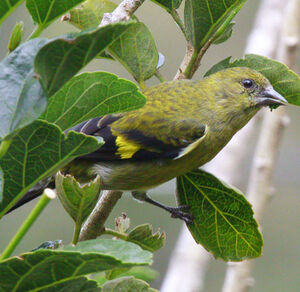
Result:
<point x="32" y="194"/>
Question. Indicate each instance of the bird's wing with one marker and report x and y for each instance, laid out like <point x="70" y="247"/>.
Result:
<point x="125" y="143"/>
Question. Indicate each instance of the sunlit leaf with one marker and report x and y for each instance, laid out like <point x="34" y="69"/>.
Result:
<point x="90" y="95"/>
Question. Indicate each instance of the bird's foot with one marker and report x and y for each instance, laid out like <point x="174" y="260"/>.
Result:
<point x="182" y="213"/>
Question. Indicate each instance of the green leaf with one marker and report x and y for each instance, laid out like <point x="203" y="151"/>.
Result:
<point x="78" y="199"/>
<point x="224" y="35"/>
<point x="127" y="284"/>
<point x="140" y="272"/>
<point x="43" y="12"/>
<point x="204" y="18"/>
<point x="136" y="51"/>
<point x="22" y="98"/>
<point x="63" y="57"/>
<point x="144" y="273"/>
<point x="35" y="153"/>
<point x="90" y="13"/>
<point x="284" y="80"/>
<point x="223" y="219"/>
<point x="16" y="36"/>
<point x="129" y="254"/>
<point x="91" y="95"/>
<point x="169" y="5"/>
<point x="51" y="270"/>
<point x="7" y="7"/>
<point x="143" y="236"/>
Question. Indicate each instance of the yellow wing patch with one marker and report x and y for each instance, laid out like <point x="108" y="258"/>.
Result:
<point x="126" y="148"/>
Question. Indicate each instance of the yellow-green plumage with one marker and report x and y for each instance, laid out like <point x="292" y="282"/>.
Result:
<point x="182" y="126"/>
<point x="197" y="119"/>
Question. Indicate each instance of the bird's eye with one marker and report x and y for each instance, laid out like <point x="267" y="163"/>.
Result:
<point x="248" y="83"/>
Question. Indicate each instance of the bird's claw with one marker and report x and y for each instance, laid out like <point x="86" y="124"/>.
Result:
<point x="181" y="213"/>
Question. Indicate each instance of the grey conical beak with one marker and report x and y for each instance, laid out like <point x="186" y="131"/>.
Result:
<point x="270" y="96"/>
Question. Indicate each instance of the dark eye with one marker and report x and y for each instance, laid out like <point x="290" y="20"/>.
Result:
<point x="248" y="83"/>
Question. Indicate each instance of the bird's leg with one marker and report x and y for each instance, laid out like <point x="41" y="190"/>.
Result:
<point x="180" y="212"/>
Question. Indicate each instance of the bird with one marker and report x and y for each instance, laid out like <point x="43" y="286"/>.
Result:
<point x="183" y="125"/>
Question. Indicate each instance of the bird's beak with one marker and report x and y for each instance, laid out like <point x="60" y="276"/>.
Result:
<point x="270" y="96"/>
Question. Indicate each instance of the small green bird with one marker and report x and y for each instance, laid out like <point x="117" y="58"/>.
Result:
<point x="182" y="126"/>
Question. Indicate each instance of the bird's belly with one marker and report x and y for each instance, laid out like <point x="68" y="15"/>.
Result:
<point x="147" y="174"/>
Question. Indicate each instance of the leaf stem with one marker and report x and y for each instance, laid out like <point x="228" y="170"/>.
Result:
<point x="142" y="85"/>
<point x="192" y="60"/>
<point x="115" y="233"/>
<point x="179" y="22"/>
<point x="194" y="63"/>
<point x="159" y="76"/>
<point x="76" y="233"/>
<point x="37" y="32"/>
<point x="47" y="196"/>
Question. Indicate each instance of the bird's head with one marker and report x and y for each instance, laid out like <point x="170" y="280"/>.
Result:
<point x="247" y="89"/>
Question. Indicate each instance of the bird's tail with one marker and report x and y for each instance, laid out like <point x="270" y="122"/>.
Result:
<point x="34" y="192"/>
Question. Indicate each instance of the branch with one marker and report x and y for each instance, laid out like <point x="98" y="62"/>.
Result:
<point x="122" y="13"/>
<point x="238" y="277"/>
<point x="187" y="266"/>
<point x="94" y="225"/>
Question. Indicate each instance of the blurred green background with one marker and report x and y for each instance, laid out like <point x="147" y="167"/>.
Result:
<point x="279" y="267"/>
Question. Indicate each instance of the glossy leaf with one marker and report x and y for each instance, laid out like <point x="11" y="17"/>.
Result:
<point x="90" y="13"/>
<point x="169" y="5"/>
<point x="51" y="270"/>
<point x="90" y="95"/>
<point x="143" y="236"/>
<point x="203" y="19"/>
<point x="136" y="51"/>
<point x="7" y="7"/>
<point x="223" y="219"/>
<point x="127" y="284"/>
<point x="22" y="98"/>
<point x="63" y="57"/>
<point x="129" y="254"/>
<point x="284" y="80"/>
<point x="35" y="153"/>
<point x="43" y="12"/>
<point x="78" y="199"/>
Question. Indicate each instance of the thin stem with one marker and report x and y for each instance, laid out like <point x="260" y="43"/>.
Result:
<point x="142" y="85"/>
<point x="76" y="233"/>
<point x="179" y="22"/>
<point x="115" y="233"/>
<point x="190" y="71"/>
<point x="47" y="196"/>
<point x="159" y="76"/>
